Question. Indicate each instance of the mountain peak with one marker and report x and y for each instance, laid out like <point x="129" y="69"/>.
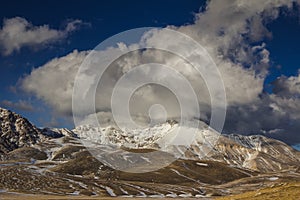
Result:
<point x="16" y="131"/>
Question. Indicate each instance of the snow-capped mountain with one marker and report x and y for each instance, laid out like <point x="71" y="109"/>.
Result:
<point x="58" y="132"/>
<point x="55" y="161"/>
<point x="131" y="138"/>
<point x="254" y="152"/>
<point x="16" y="131"/>
<point x="160" y="136"/>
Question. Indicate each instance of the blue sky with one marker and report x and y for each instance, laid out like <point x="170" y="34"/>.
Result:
<point x="284" y="45"/>
<point x="102" y="19"/>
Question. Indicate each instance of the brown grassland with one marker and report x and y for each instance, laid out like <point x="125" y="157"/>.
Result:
<point x="285" y="191"/>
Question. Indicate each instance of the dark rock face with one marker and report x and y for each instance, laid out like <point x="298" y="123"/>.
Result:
<point x="16" y="131"/>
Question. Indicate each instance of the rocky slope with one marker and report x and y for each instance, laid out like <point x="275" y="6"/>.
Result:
<point x="251" y="152"/>
<point x="16" y="131"/>
<point x="54" y="161"/>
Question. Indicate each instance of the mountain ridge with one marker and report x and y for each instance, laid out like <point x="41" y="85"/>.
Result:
<point x="252" y="152"/>
<point x="55" y="161"/>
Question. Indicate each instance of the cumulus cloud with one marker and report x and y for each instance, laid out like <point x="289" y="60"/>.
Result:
<point x="287" y="86"/>
<point x="53" y="82"/>
<point x="17" y="32"/>
<point x="228" y="30"/>
<point x="271" y="115"/>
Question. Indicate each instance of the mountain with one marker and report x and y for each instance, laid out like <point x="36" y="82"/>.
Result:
<point x="58" y="132"/>
<point x="253" y="152"/>
<point x="16" y="131"/>
<point x="130" y="138"/>
<point x="55" y="161"/>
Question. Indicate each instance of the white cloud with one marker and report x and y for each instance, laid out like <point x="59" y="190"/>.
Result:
<point x="269" y="113"/>
<point x="287" y="86"/>
<point x="17" y="32"/>
<point x="53" y="82"/>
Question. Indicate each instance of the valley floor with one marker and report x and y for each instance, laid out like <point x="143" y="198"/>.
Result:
<point x="53" y="197"/>
<point x="286" y="191"/>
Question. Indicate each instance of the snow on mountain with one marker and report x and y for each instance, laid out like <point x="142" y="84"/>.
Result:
<point x="254" y="152"/>
<point x="56" y="161"/>
<point x="58" y="132"/>
<point x="135" y="138"/>
<point x="16" y="131"/>
<point x="251" y="152"/>
<point x="160" y="136"/>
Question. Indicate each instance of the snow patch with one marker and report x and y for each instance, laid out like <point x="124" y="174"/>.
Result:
<point x="202" y="164"/>
<point x="273" y="178"/>
<point x="110" y="191"/>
